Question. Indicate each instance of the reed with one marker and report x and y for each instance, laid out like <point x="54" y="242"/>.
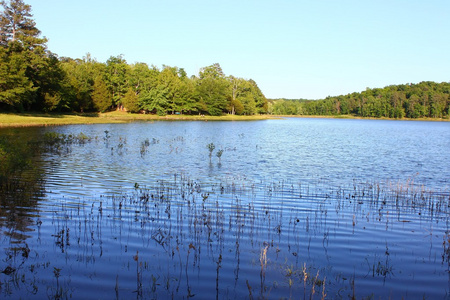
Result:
<point x="188" y="227"/>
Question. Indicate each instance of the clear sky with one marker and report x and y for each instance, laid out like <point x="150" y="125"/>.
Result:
<point x="292" y="49"/>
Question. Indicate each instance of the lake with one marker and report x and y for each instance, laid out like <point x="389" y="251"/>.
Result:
<point x="293" y="208"/>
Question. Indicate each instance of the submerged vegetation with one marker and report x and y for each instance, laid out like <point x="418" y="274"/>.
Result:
<point x="229" y="237"/>
<point x="184" y="239"/>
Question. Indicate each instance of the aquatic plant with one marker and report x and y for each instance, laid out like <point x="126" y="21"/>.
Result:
<point x="446" y="253"/>
<point x="219" y="154"/>
<point x="107" y="136"/>
<point x="138" y="274"/>
<point x="211" y="148"/>
<point x="181" y="228"/>
<point x="60" y="143"/>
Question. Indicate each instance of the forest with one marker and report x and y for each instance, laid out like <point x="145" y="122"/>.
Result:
<point x="423" y="100"/>
<point x="32" y="78"/>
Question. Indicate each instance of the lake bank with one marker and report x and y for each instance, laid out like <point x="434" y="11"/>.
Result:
<point x="52" y="119"/>
<point x="360" y="118"/>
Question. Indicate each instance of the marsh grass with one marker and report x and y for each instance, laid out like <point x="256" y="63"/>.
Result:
<point x="183" y="229"/>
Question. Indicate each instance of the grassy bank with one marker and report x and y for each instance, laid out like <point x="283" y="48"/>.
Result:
<point x="52" y="119"/>
<point x="39" y="119"/>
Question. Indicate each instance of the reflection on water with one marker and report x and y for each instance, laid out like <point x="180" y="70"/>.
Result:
<point x="299" y="208"/>
<point x="21" y="183"/>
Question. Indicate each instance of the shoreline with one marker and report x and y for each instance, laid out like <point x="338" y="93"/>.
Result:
<point x="352" y="117"/>
<point x="14" y="120"/>
<point x="11" y="120"/>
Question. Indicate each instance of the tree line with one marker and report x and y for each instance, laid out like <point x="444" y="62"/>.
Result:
<point x="423" y="100"/>
<point x="32" y="78"/>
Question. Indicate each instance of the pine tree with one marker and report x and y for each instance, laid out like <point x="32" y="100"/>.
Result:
<point x="24" y="59"/>
<point x="101" y="96"/>
<point x="17" y="25"/>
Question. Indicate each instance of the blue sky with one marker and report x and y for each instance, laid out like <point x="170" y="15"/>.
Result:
<point x="292" y="49"/>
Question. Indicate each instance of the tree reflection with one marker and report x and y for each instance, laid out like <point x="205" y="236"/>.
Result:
<point x="21" y="182"/>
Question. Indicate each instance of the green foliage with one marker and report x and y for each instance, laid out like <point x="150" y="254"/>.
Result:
<point x="17" y="25"/>
<point x="15" y="87"/>
<point x="101" y="97"/>
<point x="30" y="74"/>
<point x="219" y="154"/>
<point x="155" y="100"/>
<point x="131" y="101"/>
<point x="32" y="78"/>
<point x="212" y="88"/>
<point x="211" y="148"/>
<point x="117" y="71"/>
<point x="422" y="100"/>
<point x="56" y="141"/>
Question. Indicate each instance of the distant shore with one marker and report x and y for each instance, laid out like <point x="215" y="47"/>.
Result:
<point x="53" y="119"/>
<point x="360" y="118"/>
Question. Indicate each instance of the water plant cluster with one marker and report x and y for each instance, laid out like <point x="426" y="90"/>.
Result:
<point x="219" y="152"/>
<point x="178" y="235"/>
<point x="178" y="238"/>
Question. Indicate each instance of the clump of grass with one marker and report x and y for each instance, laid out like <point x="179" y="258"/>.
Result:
<point x="55" y="138"/>
<point x="59" y="142"/>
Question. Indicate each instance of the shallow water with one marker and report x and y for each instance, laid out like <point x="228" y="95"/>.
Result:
<point x="294" y="208"/>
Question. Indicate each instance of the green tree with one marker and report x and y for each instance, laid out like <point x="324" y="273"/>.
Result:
<point x="187" y="100"/>
<point x="117" y="71"/>
<point x="169" y="81"/>
<point x="141" y="78"/>
<point x="50" y="80"/>
<point x="131" y="101"/>
<point x="101" y="97"/>
<point x="24" y="58"/>
<point x="15" y="87"/>
<point x="212" y="90"/>
<point x="17" y="25"/>
<point x="155" y="100"/>
<point x="78" y="83"/>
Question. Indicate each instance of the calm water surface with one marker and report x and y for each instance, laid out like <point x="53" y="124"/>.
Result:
<point x="294" y="208"/>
